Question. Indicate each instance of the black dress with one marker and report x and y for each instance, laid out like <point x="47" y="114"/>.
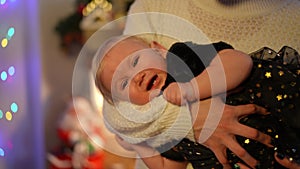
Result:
<point x="274" y="84"/>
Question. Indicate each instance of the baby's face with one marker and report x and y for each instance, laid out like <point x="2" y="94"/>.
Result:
<point x="133" y="71"/>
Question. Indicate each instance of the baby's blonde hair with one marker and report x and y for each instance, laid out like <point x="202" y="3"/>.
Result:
<point x="98" y="62"/>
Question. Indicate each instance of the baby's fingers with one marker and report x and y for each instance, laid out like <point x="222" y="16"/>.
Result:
<point x="173" y="97"/>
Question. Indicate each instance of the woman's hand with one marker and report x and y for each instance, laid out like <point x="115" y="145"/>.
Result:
<point x="216" y="124"/>
<point x="124" y="144"/>
<point x="151" y="157"/>
<point x="286" y="162"/>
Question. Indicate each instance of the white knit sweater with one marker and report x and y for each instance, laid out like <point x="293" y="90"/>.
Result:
<point x="247" y="25"/>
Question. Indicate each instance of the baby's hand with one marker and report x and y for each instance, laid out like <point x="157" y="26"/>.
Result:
<point x="179" y="93"/>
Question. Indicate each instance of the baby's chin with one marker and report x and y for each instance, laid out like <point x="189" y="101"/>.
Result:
<point x="154" y="93"/>
<point x="142" y="101"/>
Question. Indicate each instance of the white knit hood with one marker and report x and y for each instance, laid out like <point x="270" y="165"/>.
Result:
<point x="158" y="122"/>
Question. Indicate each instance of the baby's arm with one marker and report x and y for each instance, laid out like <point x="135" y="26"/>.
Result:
<point x="226" y="71"/>
<point x="151" y="157"/>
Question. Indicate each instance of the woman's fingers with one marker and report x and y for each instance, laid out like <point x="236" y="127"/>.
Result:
<point x="238" y="150"/>
<point x="252" y="133"/>
<point x="246" y="131"/>
<point x="220" y="152"/>
<point x="243" y="110"/>
<point x="233" y="127"/>
<point x="240" y="166"/>
<point x="285" y="162"/>
<point x="227" y="127"/>
<point x="124" y="144"/>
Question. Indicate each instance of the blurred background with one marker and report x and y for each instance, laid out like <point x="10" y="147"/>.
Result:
<point x="40" y="43"/>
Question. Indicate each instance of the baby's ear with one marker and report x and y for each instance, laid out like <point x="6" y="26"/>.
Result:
<point x="157" y="45"/>
<point x="160" y="48"/>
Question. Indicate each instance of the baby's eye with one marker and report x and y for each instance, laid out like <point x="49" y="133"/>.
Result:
<point x="124" y="84"/>
<point x="135" y="61"/>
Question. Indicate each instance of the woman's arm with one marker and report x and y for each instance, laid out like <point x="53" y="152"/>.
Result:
<point x="151" y="157"/>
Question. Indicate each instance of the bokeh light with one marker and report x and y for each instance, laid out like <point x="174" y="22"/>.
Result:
<point x="11" y="70"/>
<point x="2" y="152"/>
<point x="4" y="42"/>
<point x="9" y="35"/>
<point x="3" y="75"/>
<point x="5" y="39"/>
<point x="102" y="4"/>
<point x="8" y="116"/>
<point x="14" y="107"/>
<point x="2" y="2"/>
<point x="10" y="32"/>
<point x="1" y="114"/>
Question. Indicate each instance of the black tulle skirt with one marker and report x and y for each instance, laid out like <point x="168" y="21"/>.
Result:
<point x="274" y="84"/>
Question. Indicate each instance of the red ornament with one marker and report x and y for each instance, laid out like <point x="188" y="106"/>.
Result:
<point x="80" y="8"/>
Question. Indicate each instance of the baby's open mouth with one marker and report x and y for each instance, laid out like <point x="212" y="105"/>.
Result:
<point x="152" y="82"/>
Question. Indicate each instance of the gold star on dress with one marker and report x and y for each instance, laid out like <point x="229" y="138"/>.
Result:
<point x="279" y="97"/>
<point x="280" y="73"/>
<point x="268" y="74"/>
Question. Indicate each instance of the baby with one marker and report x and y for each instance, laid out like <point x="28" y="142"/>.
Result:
<point x="133" y="74"/>
<point x="138" y="59"/>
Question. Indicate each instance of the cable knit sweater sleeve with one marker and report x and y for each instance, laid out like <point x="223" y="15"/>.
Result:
<point x="156" y="25"/>
<point x="247" y="25"/>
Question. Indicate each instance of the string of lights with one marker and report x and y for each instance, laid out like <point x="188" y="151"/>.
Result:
<point x="7" y="112"/>
<point x="103" y="4"/>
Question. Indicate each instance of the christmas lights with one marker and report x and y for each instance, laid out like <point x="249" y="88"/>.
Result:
<point x="8" y="36"/>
